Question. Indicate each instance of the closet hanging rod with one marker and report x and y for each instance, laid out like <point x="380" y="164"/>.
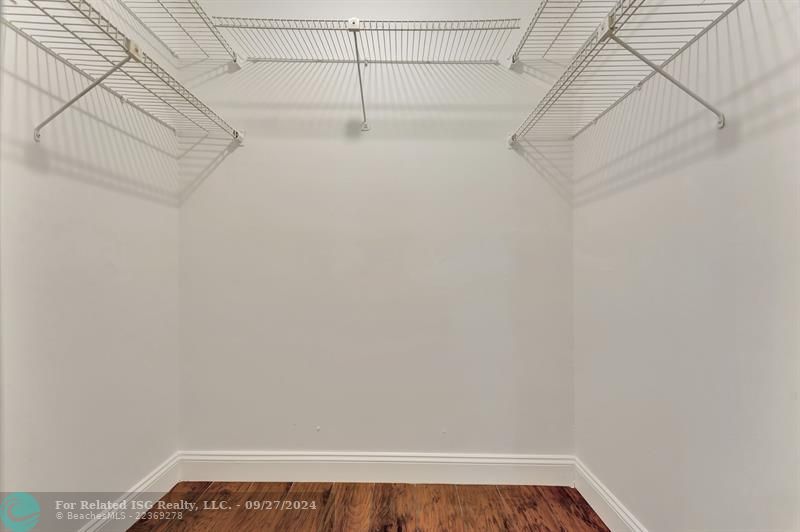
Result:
<point x="379" y="41"/>
<point x="78" y="35"/>
<point x="636" y="41"/>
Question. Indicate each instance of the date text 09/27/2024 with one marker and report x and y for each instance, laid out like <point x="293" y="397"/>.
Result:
<point x="186" y="506"/>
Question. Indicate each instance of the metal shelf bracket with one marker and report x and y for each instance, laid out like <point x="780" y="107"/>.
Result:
<point x="354" y="26"/>
<point x="76" y="34"/>
<point x="611" y="65"/>
<point x="374" y="42"/>
<point x="133" y="53"/>
<point x="610" y="34"/>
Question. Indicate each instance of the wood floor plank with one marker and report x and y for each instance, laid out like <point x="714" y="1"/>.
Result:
<point x="182" y="491"/>
<point x="231" y="498"/>
<point x="581" y="509"/>
<point x="344" y="507"/>
<point x="394" y="508"/>
<point x="209" y="512"/>
<point x="567" y="512"/>
<point x="438" y="509"/>
<point x="304" y="507"/>
<point x="527" y="509"/>
<point x="483" y="509"/>
<point x="264" y="513"/>
<point x="349" y="508"/>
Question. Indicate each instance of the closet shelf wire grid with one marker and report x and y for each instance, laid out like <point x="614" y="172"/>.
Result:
<point x="559" y="28"/>
<point x="604" y="71"/>
<point x="379" y="41"/>
<point x="182" y="27"/>
<point x="80" y="36"/>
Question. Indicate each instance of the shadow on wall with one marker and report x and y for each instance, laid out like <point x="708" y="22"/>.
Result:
<point x="321" y="100"/>
<point x="100" y="140"/>
<point x="552" y="159"/>
<point x="739" y="66"/>
<point x="542" y="69"/>
<point x="745" y="66"/>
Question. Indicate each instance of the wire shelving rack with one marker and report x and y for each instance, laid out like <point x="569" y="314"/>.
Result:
<point x="182" y="27"/>
<point x="559" y="28"/>
<point x="363" y="42"/>
<point x="635" y="41"/>
<point x="379" y="41"/>
<point x="77" y="34"/>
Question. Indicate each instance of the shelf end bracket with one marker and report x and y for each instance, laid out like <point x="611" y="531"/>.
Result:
<point x="133" y="52"/>
<point x="354" y="26"/>
<point x="720" y="116"/>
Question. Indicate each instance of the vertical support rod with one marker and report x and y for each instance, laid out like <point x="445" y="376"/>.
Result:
<point x="364" y="125"/>
<point x="681" y="86"/>
<point x="37" y="132"/>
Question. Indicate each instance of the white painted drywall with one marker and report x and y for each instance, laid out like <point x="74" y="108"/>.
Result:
<point x="407" y="289"/>
<point x="411" y="289"/>
<point x="89" y="266"/>
<point x="686" y="288"/>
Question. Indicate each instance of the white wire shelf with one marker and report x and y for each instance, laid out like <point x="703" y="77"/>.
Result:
<point x="182" y="27"/>
<point x="559" y="28"/>
<point x="379" y="41"/>
<point x="77" y="34"/>
<point x="629" y="46"/>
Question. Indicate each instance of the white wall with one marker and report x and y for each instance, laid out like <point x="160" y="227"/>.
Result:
<point x="89" y="248"/>
<point x="411" y="289"/>
<point x="90" y="269"/>
<point x="407" y="289"/>
<point x="686" y="287"/>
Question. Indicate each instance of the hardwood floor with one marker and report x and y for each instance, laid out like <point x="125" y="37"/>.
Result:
<point x="334" y="507"/>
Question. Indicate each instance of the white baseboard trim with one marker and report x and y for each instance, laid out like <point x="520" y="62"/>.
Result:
<point x="418" y="468"/>
<point x="613" y="513"/>
<point x="421" y="468"/>
<point x="152" y="487"/>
